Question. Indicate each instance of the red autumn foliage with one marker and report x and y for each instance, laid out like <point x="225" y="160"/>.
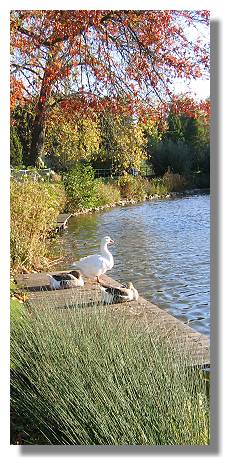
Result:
<point x="124" y="60"/>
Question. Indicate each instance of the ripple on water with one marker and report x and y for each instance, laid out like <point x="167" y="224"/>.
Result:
<point x="162" y="246"/>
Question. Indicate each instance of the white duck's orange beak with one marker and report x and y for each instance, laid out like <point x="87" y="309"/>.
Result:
<point x="111" y="241"/>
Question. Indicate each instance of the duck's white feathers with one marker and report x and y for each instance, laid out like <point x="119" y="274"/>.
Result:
<point x="54" y="284"/>
<point x="130" y="286"/>
<point x="124" y="293"/>
<point x="96" y="265"/>
<point x="66" y="280"/>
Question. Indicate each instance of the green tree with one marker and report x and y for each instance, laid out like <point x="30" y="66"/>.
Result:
<point x="22" y="119"/>
<point x="80" y="187"/>
<point x="176" y="128"/>
<point x="198" y="135"/>
<point x="176" y="155"/>
<point x="69" y="140"/>
<point x="16" y="151"/>
<point x="184" y="146"/>
<point x="123" y="144"/>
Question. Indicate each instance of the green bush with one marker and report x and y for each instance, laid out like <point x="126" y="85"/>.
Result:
<point x="34" y="209"/>
<point x="89" y="377"/>
<point x="80" y="186"/>
<point x="107" y="193"/>
<point x="149" y="186"/>
<point x="160" y="188"/>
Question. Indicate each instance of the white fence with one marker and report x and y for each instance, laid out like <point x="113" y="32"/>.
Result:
<point x="34" y="175"/>
<point x="46" y="174"/>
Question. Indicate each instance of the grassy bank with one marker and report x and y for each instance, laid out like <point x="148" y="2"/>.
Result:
<point x="89" y="378"/>
<point x="36" y="205"/>
<point x="34" y="208"/>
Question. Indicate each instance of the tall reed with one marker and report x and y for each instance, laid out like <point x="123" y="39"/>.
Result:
<point x="84" y="376"/>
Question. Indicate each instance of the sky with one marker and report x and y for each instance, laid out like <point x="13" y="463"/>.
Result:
<point x="199" y="87"/>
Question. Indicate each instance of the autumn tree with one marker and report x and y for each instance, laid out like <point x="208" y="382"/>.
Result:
<point x="122" y="143"/>
<point x="121" y="60"/>
<point x="73" y="138"/>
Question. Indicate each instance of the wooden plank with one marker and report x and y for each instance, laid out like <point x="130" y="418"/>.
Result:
<point x="143" y="313"/>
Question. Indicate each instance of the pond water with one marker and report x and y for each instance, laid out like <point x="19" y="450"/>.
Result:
<point x="162" y="246"/>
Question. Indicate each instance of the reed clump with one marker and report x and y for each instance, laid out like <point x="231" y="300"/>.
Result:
<point x="83" y="376"/>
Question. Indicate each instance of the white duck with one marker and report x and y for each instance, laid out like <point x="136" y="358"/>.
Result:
<point x="94" y="266"/>
<point x="66" y="280"/>
<point x="124" y="293"/>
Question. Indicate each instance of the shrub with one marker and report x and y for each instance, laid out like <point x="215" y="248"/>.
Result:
<point x="34" y="208"/>
<point x="136" y="187"/>
<point x="174" y="182"/>
<point x="131" y="187"/>
<point x="160" y="188"/>
<point x="89" y="377"/>
<point x="149" y="187"/>
<point x="107" y="193"/>
<point x="80" y="186"/>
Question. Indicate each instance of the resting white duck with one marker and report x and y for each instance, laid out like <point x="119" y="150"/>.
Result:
<point x="124" y="293"/>
<point x="94" y="266"/>
<point x="66" y="280"/>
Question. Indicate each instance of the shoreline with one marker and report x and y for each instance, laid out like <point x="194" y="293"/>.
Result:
<point x="130" y="202"/>
<point x="122" y="203"/>
<point x="145" y="313"/>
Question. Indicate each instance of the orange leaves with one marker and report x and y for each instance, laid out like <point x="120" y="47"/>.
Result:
<point x="197" y="72"/>
<point x="17" y="89"/>
<point x="190" y="107"/>
<point x="103" y="54"/>
<point x="87" y="106"/>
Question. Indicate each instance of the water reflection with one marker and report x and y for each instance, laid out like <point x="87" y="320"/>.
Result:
<point x="162" y="246"/>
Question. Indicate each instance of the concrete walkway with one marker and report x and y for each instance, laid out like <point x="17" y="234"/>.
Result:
<point x="142" y="313"/>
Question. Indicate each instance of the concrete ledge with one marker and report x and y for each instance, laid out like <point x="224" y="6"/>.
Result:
<point x="143" y="313"/>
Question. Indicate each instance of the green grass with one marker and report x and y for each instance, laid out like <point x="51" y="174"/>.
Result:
<point x="91" y="378"/>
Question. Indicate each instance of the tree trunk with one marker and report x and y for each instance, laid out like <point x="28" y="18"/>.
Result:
<point x="38" y="140"/>
<point x="39" y="125"/>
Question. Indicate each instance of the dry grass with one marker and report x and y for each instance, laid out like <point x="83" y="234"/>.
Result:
<point x="107" y="193"/>
<point x="34" y="209"/>
<point x="174" y="181"/>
